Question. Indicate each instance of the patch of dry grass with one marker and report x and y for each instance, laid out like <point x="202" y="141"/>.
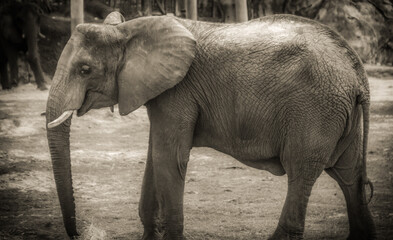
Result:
<point x="93" y="233"/>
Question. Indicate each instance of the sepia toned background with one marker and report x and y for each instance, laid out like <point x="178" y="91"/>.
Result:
<point x="223" y="198"/>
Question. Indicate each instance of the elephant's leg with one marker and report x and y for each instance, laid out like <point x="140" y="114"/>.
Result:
<point x="170" y="144"/>
<point x="170" y="164"/>
<point x="13" y="62"/>
<point x="35" y="65"/>
<point x="148" y="205"/>
<point x="292" y="219"/>
<point x="4" y="74"/>
<point x="348" y="173"/>
<point x="303" y="166"/>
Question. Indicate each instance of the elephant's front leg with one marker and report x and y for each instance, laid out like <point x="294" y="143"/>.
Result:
<point x="161" y="207"/>
<point x="4" y="73"/>
<point x="148" y="204"/>
<point x="13" y="62"/>
<point x="35" y="65"/>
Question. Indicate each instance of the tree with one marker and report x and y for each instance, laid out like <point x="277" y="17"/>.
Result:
<point x="76" y="13"/>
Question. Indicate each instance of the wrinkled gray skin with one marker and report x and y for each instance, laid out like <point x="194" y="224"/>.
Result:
<point x="281" y="93"/>
<point x="19" y="31"/>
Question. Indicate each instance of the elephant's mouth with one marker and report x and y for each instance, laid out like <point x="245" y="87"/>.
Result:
<point x="95" y="100"/>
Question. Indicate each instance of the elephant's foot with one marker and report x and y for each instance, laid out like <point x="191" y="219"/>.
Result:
<point x="24" y="80"/>
<point x="281" y="234"/>
<point x="155" y="234"/>
<point x="362" y="236"/>
<point x="174" y="237"/>
<point x="14" y="84"/>
<point x="152" y="233"/>
<point x="150" y="236"/>
<point x="42" y="87"/>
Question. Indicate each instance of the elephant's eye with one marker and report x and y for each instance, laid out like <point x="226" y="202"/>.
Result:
<point x="85" y="70"/>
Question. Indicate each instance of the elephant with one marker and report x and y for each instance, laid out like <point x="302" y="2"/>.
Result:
<point x="20" y="28"/>
<point x="281" y="93"/>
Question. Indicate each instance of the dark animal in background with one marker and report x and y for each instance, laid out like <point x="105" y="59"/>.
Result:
<point x="19" y="32"/>
<point x="280" y="93"/>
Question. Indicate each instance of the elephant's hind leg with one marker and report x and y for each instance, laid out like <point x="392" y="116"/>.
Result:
<point x="303" y="162"/>
<point x="13" y="62"/>
<point x="4" y="74"/>
<point x="347" y="172"/>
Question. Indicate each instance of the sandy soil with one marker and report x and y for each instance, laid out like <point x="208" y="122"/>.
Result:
<point x="223" y="198"/>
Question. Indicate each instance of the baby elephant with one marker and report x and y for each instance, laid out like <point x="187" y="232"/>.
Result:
<point x="281" y="93"/>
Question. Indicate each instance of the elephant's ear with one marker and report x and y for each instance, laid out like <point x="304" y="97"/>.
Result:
<point x="158" y="54"/>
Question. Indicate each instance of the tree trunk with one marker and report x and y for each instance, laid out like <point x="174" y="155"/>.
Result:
<point x="177" y="8"/>
<point x="241" y="11"/>
<point x="146" y="7"/>
<point x="191" y="9"/>
<point x="76" y="13"/>
<point x="229" y="10"/>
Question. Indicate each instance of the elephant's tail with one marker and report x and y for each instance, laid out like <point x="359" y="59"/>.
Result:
<point x="364" y="100"/>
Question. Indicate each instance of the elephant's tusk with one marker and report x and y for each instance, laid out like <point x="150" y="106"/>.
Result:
<point x="112" y="108"/>
<point x="41" y="35"/>
<point x="60" y="119"/>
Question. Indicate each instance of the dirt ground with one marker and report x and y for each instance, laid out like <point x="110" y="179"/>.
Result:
<point x="223" y="198"/>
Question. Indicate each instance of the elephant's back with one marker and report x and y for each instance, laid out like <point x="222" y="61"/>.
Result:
<point x="287" y="44"/>
<point x="271" y="35"/>
<point x="278" y="60"/>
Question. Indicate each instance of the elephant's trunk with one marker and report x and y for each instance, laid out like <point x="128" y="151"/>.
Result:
<point x="59" y="145"/>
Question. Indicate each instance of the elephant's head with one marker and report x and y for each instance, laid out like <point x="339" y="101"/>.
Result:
<point x="127" y="63"/>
